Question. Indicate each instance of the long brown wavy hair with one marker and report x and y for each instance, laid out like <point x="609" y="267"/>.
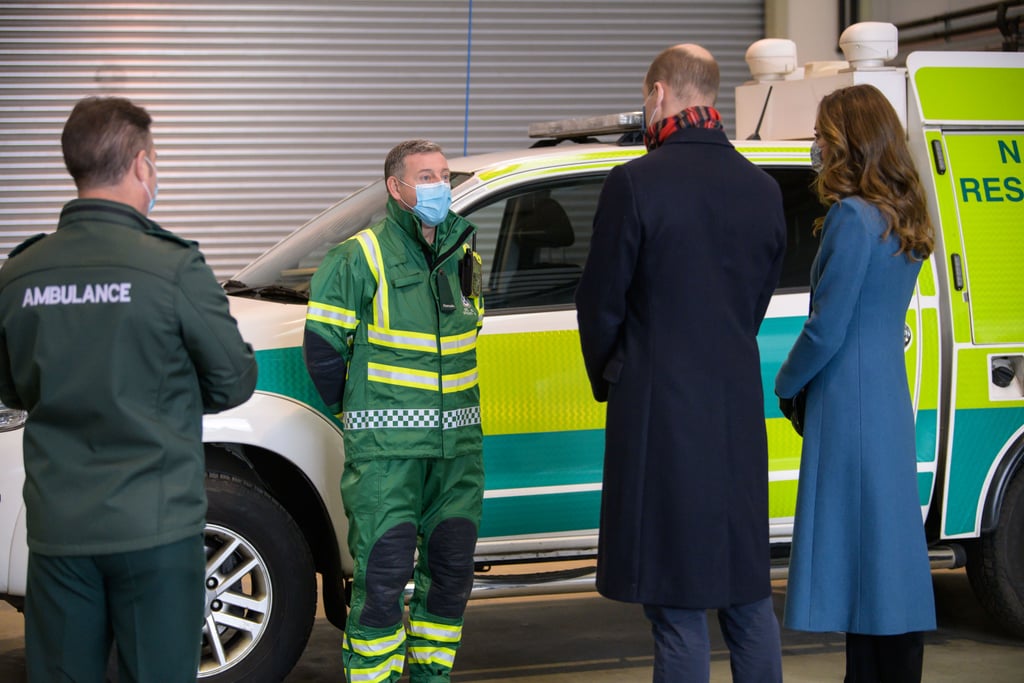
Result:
<point x="866" y="155"/>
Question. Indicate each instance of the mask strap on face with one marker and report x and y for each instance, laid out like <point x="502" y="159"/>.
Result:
<point x="440" y="182"/>
<point x="647" y="121"/>
<point x="156" y="186"/>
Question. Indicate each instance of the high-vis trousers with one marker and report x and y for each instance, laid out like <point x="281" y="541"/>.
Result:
<point x="396" y="507"/>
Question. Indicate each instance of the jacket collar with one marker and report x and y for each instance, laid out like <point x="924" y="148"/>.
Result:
<point x="448" y="231"/>
<point x="78" y="210"/>
<point x="708" y="136"/>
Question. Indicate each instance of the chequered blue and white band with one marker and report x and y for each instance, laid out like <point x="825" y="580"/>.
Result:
<point x="412" y="418"/>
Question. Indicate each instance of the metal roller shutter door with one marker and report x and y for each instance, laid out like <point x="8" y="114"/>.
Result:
<point x="267" y="112"/>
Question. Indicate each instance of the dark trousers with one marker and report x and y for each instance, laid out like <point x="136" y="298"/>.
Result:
<point x="682" y="649"/>
<point x="884" y="659"/>
<point x="150" y="602"/>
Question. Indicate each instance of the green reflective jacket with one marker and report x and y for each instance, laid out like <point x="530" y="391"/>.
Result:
<point x="116" y="338"/>
<point x="391" y="305"/>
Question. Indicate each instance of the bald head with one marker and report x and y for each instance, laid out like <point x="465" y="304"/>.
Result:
<point x="688" y="73"/>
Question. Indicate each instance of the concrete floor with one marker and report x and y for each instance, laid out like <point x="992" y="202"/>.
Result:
<point x="585" y="638"/>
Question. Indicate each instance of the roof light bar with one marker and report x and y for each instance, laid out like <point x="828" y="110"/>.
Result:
<point x="587" y="126"/>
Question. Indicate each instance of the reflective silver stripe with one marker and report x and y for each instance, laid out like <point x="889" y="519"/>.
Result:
<point x="381" y="672"/>
<point x="430" y="630"/>
<point x="332" y="315"/>
<point x="371" y="250"/>
<point x="402" y="340"/>
<point x="445" y="656"/>
<point x="462" y="417"/>
<point x="377" y="646"/>
<point x="460" y="382"/>
<point x="393" y="418"/>
<point x="406" y="377"/>
<point x="459" y="343"/>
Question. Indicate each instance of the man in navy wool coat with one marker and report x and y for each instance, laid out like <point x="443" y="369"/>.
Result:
<point x="686" y="252"/>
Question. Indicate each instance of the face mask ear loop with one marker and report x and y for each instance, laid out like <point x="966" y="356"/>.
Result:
<point x="400" y="195"/>
<point x="156" y="187"/>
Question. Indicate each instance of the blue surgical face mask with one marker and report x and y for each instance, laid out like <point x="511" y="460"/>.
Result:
<point x="816" y="162"/>
<point x="156" y="187"/>
<point x="432" y="201"/>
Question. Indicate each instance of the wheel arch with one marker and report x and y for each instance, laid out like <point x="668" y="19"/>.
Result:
<point x="1009" y="465"/>
<point x="296" y="455"/>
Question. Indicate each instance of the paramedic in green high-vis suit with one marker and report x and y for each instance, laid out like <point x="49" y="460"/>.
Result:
<point x="390" y="344"/>
<point x="115" y="338"/>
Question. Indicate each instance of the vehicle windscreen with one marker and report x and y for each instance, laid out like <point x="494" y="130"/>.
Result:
<point x="286" y="269"/>
<point x="290" y="264"/>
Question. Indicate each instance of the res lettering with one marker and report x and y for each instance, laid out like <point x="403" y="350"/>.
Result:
<point x="1009" y="189"/>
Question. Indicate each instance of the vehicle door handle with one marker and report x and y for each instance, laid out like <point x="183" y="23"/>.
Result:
<point x="958" y="272"/>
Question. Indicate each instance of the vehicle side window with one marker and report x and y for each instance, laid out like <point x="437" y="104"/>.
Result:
<point x="802" y="208"/>
<point x="534" y="242"/>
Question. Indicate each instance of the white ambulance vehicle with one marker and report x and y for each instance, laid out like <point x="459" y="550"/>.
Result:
<point x="276" y="517"/>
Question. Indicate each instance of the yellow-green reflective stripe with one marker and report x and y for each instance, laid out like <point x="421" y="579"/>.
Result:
<point x="377" y="646"/>
<point x="403" y="377"/>
<point x="950" y="93"/>
<point x="558" y="164"/>
<point x="460" y="381"/>
<point x="459" y="343"/>
<point x="444" y="656"/>
<point x="400" y="339"/>
<point x="430" y="630"/>
<point x="378" y="673"/>
<point x="371" y="250"/>
<point x="545" y="172"/>
<point x="332" y="315"/>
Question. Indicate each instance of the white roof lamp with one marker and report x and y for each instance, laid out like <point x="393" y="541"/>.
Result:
<point x="771" y="59"/>
<point x="869" y="44"/>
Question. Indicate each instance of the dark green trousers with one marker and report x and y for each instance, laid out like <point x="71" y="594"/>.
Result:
<point x="150" y="602"/>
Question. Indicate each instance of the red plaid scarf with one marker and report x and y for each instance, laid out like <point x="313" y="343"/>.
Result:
<point x="693" y="117"/>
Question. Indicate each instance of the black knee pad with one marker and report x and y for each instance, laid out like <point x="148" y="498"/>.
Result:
<point x="450" y="560"/>
<point x="388" y="569"/>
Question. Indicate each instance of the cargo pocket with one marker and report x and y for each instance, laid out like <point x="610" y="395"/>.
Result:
<point x="361" y="486"/>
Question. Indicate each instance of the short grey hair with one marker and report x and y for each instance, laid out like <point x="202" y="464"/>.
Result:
<point x="394" y="164"/>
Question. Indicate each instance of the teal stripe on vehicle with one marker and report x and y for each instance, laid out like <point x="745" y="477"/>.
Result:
<point x="282" y="371"/>
<point x="540" y="514"/>
<point x="979" y="435"/>
<point x="513" y="461"/>
<point x="926" y="431"/>
<point x="924" y="486"/>
<point x="774" y="340"/>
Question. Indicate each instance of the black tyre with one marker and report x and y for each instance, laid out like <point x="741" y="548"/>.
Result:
<point x="995" y="565"/>
<point x="260" y="586"/>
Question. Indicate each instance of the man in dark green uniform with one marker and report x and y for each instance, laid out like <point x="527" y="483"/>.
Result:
<point x="116" y="338"/>
<point x="390" y="343"/>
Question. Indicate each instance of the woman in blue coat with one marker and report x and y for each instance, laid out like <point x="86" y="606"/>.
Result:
<point x="860" y="561"/>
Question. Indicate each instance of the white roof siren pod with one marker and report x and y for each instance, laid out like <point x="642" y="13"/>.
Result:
<point x="869" y="44"/>
<point x="771" y="59"/>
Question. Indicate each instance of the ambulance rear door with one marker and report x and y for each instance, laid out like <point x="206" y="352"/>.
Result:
<point x="969" y="131"/>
